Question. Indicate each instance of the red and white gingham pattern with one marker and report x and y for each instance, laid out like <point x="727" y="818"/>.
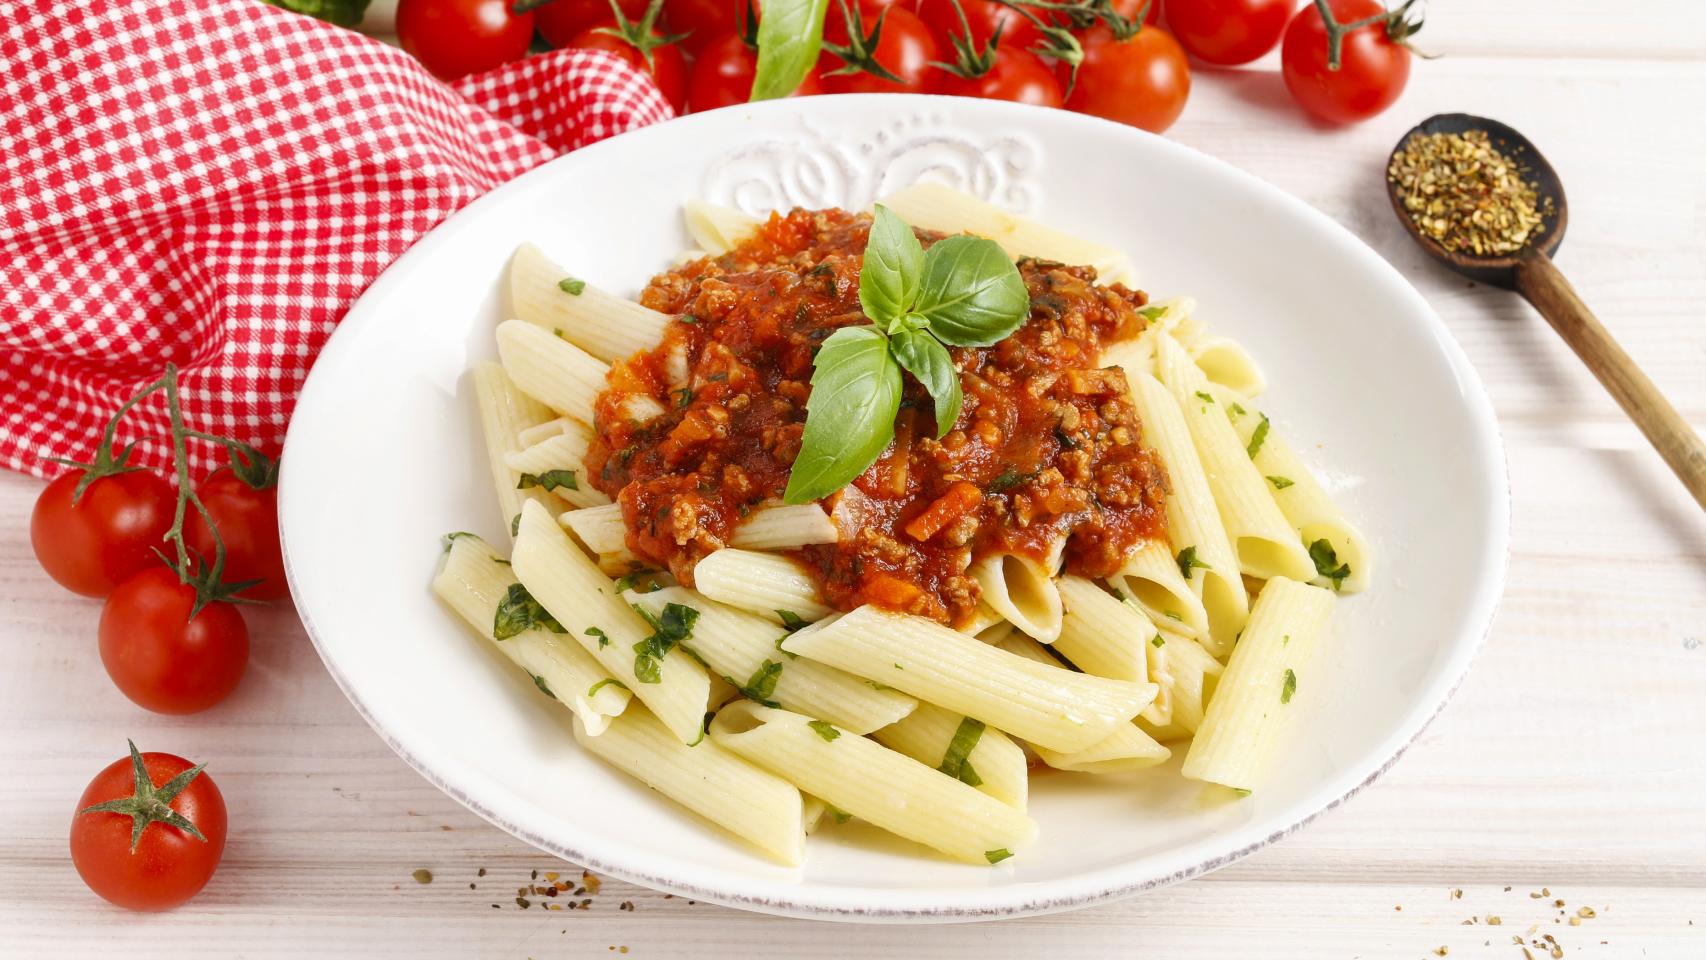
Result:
<point x="213" y="183"/>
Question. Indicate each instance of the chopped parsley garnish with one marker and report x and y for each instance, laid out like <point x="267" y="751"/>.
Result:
<point x="603" y="638"/>
<point x="683" y="397"/>
<point x="1172" y="615"/>
<point x="791" y="621"/>
<point x="1241" y="791"/>
<point x="1258" y="438"/>
<point x="762" y="685"/>
<point x="1009" y="479"/>
<point x="1327" y="563"/>
<point x="669" y="628"/>
<point x="959" y="748"/>
<point x="824" y="730"/>
<point x="838" y="814"/>
<point x="550" y="480"/>
<point x="640" y="581"/>
<point x="571" y="286"/>
<point x="1205" y="397"/>
<point x="518" y="613"/>
<point x="557" y="332"/>
<point x="451" y="538"/>
<point x="1158" y="641"/>
<point x="688" y="319"/>
<point x="1285" y="639"/>
<point x="1151" y="313"/>
<point x="997" y="855"/>
<point x="1289" y="687"/>
<point x="1237" y="410"/>
<point x="600" y="685"/>
<point x="539" y="682"/>
<point x="515" y="525"/>
<point x="791" y="656"/>
<point x="1187" y="560"/>
<point x="1280" y="483"/>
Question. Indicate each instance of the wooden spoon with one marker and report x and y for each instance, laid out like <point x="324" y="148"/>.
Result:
<point x="1530" y="272"/>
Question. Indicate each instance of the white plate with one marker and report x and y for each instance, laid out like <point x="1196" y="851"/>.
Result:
<point x="384" y="456"/>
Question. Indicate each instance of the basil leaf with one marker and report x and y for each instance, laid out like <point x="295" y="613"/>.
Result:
<point x="673" y="626"/>
<point x="965" y="740"/>
<point x="824" y="730"/>
<point x="1258" y="438"/>
<point x="894" y="265"/>
<point x="971" y="294"/>
<point x="924" y="357"/>
<point x="1288" y="687"/>
<point x="850" y="414"/>
<point x="790" y="33"/>
<point x="1327" y="563"/>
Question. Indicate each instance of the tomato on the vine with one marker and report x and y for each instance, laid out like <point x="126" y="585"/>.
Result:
<point x="91" y="541"/>
<point x="1228" y="32"/>
<point x="247" y="519"/>
<point x="165" y="655"/>
<point x="703" y="21"/>
<point x="454" y="38"/>
<point x="1374" y="63"/>
<point x="646" y="47"/>
<point x="560" y="21"/>
<point x="149" y="831"/>
<point x="1013" y="75"/>
<point x="1142" y="80"/>
<point x="723" y="71"/>
<point x="982" y="17"/>
<point x="895" y="42"/>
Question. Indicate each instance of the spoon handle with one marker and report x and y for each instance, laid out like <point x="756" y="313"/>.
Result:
<point x="1539" y="280"/>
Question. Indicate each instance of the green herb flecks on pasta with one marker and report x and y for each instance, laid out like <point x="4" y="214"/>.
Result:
<point x="762" y="685"/>
<point x="1188" y="561"/>
<point x="824" y="730"/>
<point x="996" y="856"/>
<point x="1289" y="687"/>
<point x="671" y="627"/>
<point x="1280" y="483"/>
<point x="960" y="747"/>
<point x="518" y="613"/>
<point x="549" y="480"/>
<point x="592" y="691"/>
<point x="1258" y="438"/>
<point x="1327" y="563"/>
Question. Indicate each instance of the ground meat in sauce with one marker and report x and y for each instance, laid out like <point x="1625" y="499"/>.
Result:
<point x="1045" y="459"/>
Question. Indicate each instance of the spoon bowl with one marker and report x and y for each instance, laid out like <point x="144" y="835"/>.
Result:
<point x="1498" y="270"/>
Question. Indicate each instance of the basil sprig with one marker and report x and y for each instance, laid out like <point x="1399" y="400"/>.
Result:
<point x="962" y="292"/>
<point x="790" y="34"/>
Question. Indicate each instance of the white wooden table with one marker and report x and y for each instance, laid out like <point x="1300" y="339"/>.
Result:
<point x="1568" y="767"/>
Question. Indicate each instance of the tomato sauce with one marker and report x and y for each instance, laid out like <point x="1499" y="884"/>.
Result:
<point x="1045" y="459"/>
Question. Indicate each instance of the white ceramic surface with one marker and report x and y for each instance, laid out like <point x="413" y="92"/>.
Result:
<point x="384" y="456"/>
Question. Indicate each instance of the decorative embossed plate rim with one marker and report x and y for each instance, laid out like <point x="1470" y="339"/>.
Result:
<point x="1395" y="418"/>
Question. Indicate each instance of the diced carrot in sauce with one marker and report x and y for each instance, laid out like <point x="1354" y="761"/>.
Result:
<point x="950" y="506"/>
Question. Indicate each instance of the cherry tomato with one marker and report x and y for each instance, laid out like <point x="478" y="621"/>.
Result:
<point x="1017" y="76"/>
<point x="1142" y="81"/>
<point x="454" y="38"/>
<point x="1129" y="8"/>
<point x="905" y="49"/>
<point x="1373" y="67"/>
<point x="168" y="864"/>
<point x="668" y="67"/>
<point x="247" y="519"/>
<point x="162" y="659"/>
<point x="1228" y="31"/>
<point x="560" y="20"/>
<point x="722" y="75"/>
<point x="982" y="16"/>
<point x="109" y="533"/>
<point x="702" y="20"/>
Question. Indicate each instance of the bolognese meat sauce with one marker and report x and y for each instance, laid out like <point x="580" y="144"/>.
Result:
<point x="1045" y="459"/>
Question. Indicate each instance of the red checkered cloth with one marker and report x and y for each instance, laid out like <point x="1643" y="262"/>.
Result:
<point x="213" y="183"/>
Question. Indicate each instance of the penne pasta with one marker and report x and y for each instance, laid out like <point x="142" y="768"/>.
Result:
<point x="1225" y="362"/>
<point x="551" y="370"/>
<point x="1126" y="748"/>
<point x="606" y="326"/>
<point x="646" y="658"/>
<point x="1265" y="544"/>
<point x="980" y="755"/>
<point x="1256" y="695"/>
<point x="1053" y="706"/>
<point x="765" y="583"/>
<point x="742" y="648"/>
<point x="475" y="583"/>
<point x="1344" y="563"/>
<point x="504" y="412"/>
<point x="715" y="783"/>
<point x="1020" y="590"/>
<point x="1191" y="676"/>
<point x="875" y="784"/>
<point x="1152" y="580"/>
<point x="716" y="229"/>
<point x="1100" y="634"/>
<point x="777" y="526"/>
<point x="558" y="462"/>
<point x="1194" y="528"/>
